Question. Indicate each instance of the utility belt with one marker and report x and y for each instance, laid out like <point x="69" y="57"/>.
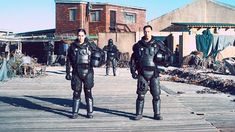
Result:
<point x="83" y="66"/>
<point x="148" y="68"/>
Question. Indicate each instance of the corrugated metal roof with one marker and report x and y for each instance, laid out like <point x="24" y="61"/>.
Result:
<point x="189" y="24"/>
<point x="39" y="32"/>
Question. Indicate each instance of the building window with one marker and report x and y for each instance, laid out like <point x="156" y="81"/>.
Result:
<point x="95" y="16"/>
<point x="129" y="17"/>
<point x="72" y="14"/>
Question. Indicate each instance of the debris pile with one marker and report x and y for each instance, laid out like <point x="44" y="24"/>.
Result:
<point x="191" y="76"/>
<point x="20" y="65"/>
<point x="196" y="60"/>
<point x="206" y="90"/>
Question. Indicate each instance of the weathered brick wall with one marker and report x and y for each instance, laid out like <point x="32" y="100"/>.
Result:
<point x="140" y="17"/>
<point x="96" y="27"/>
<point x="63" y="24"/>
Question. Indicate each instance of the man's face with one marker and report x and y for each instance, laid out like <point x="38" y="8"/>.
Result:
<point x="81" y="37"/>
<point x="147" y="32"/>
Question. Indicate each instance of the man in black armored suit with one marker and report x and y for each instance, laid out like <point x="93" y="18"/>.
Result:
<point x="83" y="56"/>
<point x="148" y="54"/>
<point x="112" y="56"/>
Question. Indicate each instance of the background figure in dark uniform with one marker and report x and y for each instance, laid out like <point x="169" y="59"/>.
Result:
<point x="148" y="53"/>
<point x="112" y="56"/>
<point x="83" y="56"/>
<point x="48" y="49"/>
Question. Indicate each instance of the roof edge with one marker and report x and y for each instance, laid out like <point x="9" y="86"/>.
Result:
<point x="223" y="4"/>
<point x="95" y="3"/>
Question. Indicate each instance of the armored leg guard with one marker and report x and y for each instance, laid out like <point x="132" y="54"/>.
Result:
<point x="139" y="109"/>
<point x="156" y="109"/>
<point x="107" y="71"/>
<point x="114" y="71"/>
<point x="89" y="103"/>
<point x="76" y="103"/>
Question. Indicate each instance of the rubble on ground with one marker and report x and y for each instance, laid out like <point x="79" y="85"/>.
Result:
<point x="192" y="76"/>
<point x="15" y="66"/>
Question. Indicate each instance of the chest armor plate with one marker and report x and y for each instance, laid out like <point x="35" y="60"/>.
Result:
<point x="146" y="55"/>
<point x="147" y="64"/>
<point x="83" y="55"/>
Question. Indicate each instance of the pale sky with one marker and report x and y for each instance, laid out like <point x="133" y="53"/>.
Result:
<point x="31" y="15"/>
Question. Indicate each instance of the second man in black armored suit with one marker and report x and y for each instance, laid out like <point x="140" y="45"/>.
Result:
<point x="112" y="56"/>
<point x="83" y="56"/>
<point x="148" y="54"/>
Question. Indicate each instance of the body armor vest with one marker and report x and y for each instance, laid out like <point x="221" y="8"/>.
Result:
<point x="83" y="57"/>
<point x="111" y="53"/>
<point x="146" y="62"/>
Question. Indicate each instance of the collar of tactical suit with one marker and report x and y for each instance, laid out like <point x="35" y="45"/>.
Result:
<point x="149" y="43"/>
<point x="85" y="44"/>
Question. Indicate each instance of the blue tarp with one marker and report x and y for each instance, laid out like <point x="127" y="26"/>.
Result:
<point x="204" y="42"/>
<point x="4" y="71"/>
<point x="210" y="44"/>
<point x="220" y="42"/>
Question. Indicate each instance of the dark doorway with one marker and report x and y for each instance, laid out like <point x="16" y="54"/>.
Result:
<point x="112" y="21"/>
<point x="34" y="49"/>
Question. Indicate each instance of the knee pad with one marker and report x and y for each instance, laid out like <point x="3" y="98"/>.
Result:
<point x="140" y="97"/>
<point x="155" y="98"/>
<point x="88" y="93"/>
<point x="76" y="95"/>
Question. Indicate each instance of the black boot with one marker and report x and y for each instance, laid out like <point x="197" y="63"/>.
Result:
<point x="114" y="71"/>
<point x="156" y="109"/>
<point x="76" y="103"/>
<point x="139" y="109"/>
<point x="107" y="71"/>
<point x="89" y="103"/>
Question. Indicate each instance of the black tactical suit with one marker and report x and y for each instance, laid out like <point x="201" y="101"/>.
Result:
<point x="143" y="65"/>
<point x="112" y="56"/>
<point x="82" y="58"/>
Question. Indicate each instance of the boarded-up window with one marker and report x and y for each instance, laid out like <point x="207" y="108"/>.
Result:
<point x="95" y="16"/>
<point x="130" y="17"/>
<point x="72" y="14"/>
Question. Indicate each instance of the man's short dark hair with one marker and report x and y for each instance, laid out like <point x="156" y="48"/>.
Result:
<point x="148" y="26"/>
<point x="81" y="30"/>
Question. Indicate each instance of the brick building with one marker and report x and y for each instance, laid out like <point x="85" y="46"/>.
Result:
<point x="97" y="17"/>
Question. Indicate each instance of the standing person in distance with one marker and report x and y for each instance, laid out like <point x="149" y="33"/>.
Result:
<point x="112" y="54"/>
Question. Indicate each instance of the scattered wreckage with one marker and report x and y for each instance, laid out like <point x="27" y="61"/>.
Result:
<point x="21" y="65"/>
<point x="195" y="69"/>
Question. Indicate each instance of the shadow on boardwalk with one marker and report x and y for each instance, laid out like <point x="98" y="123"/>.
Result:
<point x="23" y="102"/>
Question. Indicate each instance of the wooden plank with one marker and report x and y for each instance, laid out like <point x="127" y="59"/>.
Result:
<point x="41" y="104"/>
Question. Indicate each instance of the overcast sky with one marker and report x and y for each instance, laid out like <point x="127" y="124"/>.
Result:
<point x="31" y="15"/>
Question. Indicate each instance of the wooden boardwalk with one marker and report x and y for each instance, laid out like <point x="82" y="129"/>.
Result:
<point x="44" y="104"/>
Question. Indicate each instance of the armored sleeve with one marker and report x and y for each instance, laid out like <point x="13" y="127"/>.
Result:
<point x="68" y="61"/>
<point x="133" y="60"/>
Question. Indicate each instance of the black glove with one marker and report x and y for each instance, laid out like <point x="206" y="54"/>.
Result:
<point x="134" y="75"/>
<point x="68" y="77"/>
